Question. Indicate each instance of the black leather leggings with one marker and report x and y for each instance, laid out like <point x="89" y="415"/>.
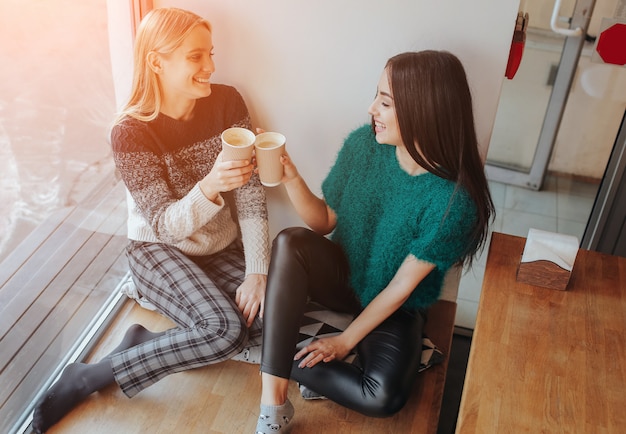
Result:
<point x="306" y="265"/>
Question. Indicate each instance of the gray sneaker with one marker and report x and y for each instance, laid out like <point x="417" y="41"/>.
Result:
<point x="250" y="354"/>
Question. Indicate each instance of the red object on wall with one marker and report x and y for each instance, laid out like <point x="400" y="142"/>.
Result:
<point x="612" y="44"/>
<point x="515" y="58"/>
<point x="517" y="46"/>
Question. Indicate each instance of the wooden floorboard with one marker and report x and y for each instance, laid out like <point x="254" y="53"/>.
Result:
<point x="224" y="398"/>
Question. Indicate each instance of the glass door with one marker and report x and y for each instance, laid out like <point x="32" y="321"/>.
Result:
<point x="533" y="103"/>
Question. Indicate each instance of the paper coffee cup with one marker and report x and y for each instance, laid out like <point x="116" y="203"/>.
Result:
<point x="237" y="144"/>
<point x="268" y="149"/>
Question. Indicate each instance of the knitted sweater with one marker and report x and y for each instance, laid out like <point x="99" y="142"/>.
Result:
<point x="161" y="163"/>
<point x="385" y="214"/>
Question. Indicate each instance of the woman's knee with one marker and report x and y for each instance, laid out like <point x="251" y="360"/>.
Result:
<point x="230" y="328"/>
<point x="373" y="396"/>
<point x="386" y="403"/>
<point x="297" y="248"/>
<point x="236" y="330"/>
<point x="290" y="239"/>
<point x="289" y="271"/>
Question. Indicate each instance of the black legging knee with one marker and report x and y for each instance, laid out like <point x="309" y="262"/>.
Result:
<point x="305" y="265"/>
<point x="389" y="357"/>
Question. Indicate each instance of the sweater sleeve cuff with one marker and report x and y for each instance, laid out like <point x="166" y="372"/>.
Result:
<point x="255" y="238"/>
<point x="207" y="206"/>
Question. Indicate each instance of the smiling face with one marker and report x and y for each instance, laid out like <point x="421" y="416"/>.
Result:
<point x="383" y="114"/>
<point x="185" y="73"/>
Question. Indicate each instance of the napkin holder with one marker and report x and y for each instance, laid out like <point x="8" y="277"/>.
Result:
<point x="548" y="259"/>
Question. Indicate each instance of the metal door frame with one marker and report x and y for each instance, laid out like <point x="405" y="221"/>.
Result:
<point x="601" y="227"/>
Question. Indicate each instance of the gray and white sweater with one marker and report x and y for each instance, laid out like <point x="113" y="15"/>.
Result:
<point x="161" y="163"/>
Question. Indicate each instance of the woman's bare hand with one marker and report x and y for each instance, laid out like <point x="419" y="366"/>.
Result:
<point x="290" y="170"/>
<point x="250" y="297"/>
<point x="322" y="350"/>
<point x="226" y="176"/>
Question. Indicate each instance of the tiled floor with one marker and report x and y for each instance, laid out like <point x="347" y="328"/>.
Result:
<point x="563" y="207"/>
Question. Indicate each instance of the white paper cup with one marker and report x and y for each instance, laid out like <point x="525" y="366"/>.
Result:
<point x="237" y="144"/>
<point x="268" y="149"/>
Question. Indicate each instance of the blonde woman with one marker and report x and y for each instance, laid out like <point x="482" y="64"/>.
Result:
<point x="185" y="254"/>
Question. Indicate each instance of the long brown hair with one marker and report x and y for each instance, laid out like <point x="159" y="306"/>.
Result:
<point x="162" y="30"/>
<point x="433" y="105"/>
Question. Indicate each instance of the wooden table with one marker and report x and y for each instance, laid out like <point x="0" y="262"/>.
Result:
<point x="543" y="360"/>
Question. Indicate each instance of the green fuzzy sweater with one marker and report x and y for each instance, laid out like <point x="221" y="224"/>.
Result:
<point x="385" y="214"/>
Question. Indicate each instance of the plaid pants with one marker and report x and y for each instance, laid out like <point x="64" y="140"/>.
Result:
<point x="198" y="294"/>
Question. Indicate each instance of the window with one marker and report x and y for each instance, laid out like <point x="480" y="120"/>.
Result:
<point x="62" y="210"/>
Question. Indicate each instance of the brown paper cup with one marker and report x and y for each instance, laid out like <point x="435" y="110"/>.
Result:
<point x="268" y="149"/>
<point x="237" y="144"/>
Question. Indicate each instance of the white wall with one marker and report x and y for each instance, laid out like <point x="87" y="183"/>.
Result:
<point x="310" y="69"/>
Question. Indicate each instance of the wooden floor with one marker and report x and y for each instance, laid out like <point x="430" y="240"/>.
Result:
<point x="224" y="398"/>
<point x="62" y="274"/>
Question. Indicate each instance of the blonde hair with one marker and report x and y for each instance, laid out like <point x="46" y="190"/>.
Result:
<point x="162" y="30"/>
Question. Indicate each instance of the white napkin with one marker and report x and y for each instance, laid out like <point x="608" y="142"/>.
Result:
<point x="560" y="249"/>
